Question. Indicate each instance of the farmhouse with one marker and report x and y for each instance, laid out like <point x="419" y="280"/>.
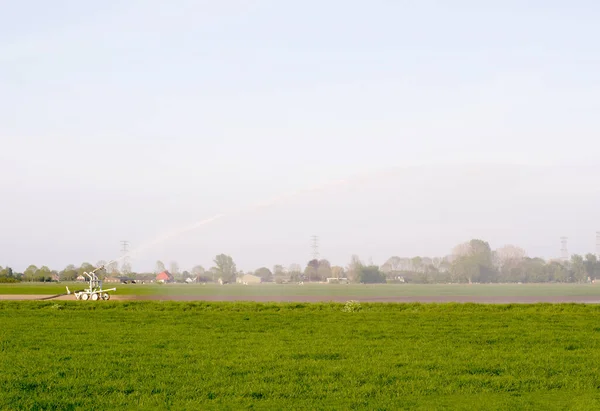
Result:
<point x="335" y="280"/>
<point x="249" y="279"/>
<point x="164" y="277"/>
<point x="122" y="280"/>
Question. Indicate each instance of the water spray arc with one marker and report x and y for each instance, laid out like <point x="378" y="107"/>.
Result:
<point x="241" y="210"/>
<point x="278" y="199"/>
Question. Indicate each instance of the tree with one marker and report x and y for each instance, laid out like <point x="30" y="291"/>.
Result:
<point x="507" y="261"/>
<point x="557" y="272"/>
<point x="30" y="273"/>
<point x="386" y="268"/>
<point x="473" y="262"/>
<point x="464" y="269"/>
<point x="102" y="272"/>
<point x="462" y="250"/>
<point x="508" y="256"/>
<point x="279" y="273"/>
<point x="354" y="269"/>
<point x="264" y="273"/>
<point x="113" y="268"/>
<point x="371" y="275"/>
<point x="226" y="269"/>
<point x="126" y="268"/>
<point x="337" y="271"/>
<point x="578" y="270"/>
<point x="295" y="272"/>
<point x="214" y="273"/>
<point x="445" y="265"/>
<point x="200" y="275"/>
<point x="198" y="271"/>
<point x="311" y="270"/>
<point x="395" y="264"/>
<point x="392" y="265"/>
<point x="534" y="270"/>
<point x="324" y="270"/>
<point x="7" y="276"/>
<point x="417" y="264"/>
<point x="160" y="267"/>
<point x="43" y="274"/>
<point x="294" y="268"/>
<point x="69" y="273"/>
<point x="592" y="267"/>
<point x="481" y="249"/>
<point x="85" y="267"/>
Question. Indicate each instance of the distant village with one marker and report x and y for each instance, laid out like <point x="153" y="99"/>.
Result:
<point x="166" y="277"/>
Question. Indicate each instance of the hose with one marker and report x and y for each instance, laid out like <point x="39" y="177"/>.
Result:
<point x="58" y="295"/>
<point x="51" y="297"/>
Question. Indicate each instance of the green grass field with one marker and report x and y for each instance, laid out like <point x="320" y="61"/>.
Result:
<point x="322" y="290"/>
<point x="197" y="355"/>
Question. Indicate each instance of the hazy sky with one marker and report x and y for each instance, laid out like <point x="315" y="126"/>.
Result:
<point x="120" y="120"/>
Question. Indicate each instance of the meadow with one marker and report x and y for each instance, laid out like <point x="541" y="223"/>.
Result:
<point x="245" y="355"/>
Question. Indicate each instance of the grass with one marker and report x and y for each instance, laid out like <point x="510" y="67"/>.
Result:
<point x="324" y="290"/>
<point x="198" y="355"/>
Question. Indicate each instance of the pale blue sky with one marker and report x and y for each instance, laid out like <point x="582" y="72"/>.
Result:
<point x="124" y="119"/>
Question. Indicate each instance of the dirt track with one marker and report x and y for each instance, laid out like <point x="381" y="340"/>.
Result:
<point x="423" y="299"/>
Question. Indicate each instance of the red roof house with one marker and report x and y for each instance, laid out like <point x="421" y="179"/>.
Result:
<point x="165" y="277"/>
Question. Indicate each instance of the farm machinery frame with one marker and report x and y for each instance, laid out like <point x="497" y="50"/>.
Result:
<point x="95" y="291"/>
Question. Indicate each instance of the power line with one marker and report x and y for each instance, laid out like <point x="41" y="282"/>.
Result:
<point x="124" y="250"/>
<point x="125" y="245"/>
<point x="564" y="251"/>
<point x="315" y="247"/>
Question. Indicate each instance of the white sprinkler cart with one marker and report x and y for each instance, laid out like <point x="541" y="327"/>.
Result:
<point x="95" y="292"/>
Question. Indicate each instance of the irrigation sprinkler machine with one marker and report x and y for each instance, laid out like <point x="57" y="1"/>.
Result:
<point x="95" y="292"/>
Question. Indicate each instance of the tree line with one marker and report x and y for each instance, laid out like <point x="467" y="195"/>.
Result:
<point x="476" y="262"/>
<point x="470" y="262"/>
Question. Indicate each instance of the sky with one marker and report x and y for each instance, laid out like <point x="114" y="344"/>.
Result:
<point x="124" y="120"/>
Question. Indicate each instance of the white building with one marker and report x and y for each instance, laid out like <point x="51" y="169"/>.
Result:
<point x="249" y="279"/>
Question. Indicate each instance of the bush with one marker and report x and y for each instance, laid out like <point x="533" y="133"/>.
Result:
<point x="351" y="306"/>
<point x="9" y="280"/>
<point x="371" y="275"/>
